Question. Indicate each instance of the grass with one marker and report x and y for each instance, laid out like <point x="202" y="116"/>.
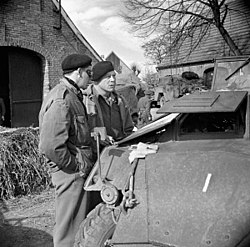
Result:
<point x="22" y="168"/>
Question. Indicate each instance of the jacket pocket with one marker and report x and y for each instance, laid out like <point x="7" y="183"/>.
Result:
<point x="82" y="131"/>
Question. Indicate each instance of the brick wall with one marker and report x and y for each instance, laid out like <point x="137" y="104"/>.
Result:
<point x="31" y="24"/>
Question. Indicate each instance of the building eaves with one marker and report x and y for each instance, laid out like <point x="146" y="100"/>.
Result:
<point x="179" y="65"/>
<point x="77" y="32"/>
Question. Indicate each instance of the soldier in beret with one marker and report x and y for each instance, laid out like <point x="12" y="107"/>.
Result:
<point x="105" y="107"/>
<point x="144" y="107"/>
<point x="66" y="143"/>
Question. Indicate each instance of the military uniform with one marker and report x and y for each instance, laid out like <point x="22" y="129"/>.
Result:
<point x="144" y="107"/>
<point x="112" y="113"/>
<point x="65" y="141"/>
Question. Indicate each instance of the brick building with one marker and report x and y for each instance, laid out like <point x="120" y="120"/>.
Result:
<point x="35" y="36"/>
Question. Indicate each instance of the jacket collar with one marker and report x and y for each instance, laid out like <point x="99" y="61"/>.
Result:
<point x="91" y="91"/>
<point x="67" y="84"/>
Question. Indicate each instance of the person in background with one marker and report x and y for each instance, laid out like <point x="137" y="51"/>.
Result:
<point x="2" y="111"/>
<point x="135" y="116"/>
<point x="105" y="107"/>
<point x="66" y="143"/>
<point x="144" y="107"/>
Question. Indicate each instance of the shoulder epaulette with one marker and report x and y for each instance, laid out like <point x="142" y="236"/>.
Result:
<point x="61" y="92"/>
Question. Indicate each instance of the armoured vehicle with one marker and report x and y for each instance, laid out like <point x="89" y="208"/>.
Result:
<point x="183" y="180"/>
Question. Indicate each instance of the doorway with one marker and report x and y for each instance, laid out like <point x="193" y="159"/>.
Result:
<point x="21" y="86"/>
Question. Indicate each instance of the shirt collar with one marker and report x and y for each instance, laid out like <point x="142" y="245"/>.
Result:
<point x="109" y="99"/>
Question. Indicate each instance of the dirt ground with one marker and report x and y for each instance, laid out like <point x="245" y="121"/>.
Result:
<point x="27" y="221"/>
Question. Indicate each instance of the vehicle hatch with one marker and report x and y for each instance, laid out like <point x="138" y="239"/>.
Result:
<point x="219" y="101"/>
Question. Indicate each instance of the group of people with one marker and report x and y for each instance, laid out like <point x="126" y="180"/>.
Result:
<point x="68" y="115"/>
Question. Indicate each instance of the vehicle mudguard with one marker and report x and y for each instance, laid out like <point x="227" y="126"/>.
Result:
<point x="114" y="167"/>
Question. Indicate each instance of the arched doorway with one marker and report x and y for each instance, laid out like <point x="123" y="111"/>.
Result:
<point x="21" y="86"/>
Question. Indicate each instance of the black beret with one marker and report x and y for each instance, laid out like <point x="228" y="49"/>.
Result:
<point x="75" y="61"/>
<point x="100" y="69"/>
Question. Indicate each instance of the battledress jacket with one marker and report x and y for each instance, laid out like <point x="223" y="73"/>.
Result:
<point x="144" y="105"/>
<point x="63" y="127"/>
<point x="95" y="117"/>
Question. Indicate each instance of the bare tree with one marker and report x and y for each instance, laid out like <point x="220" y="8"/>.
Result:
<point x="156" y="49"/>
<point x="175" y="21"/>
<point x="151" y="78"/>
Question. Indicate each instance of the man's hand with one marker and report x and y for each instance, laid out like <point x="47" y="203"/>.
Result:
<point x="3" y="118"/>
<point x="108" y="141"/>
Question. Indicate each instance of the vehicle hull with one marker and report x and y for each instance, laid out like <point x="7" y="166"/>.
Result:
<point x="180" y="207"/>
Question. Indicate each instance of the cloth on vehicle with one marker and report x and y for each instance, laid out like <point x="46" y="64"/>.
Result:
<point x="140" y="150"/>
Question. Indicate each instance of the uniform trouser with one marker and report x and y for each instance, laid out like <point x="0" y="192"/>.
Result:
<point x="71" y="207"/>
<point x="143" y="119"/>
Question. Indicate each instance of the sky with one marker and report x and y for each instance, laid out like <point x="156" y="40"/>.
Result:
<point x="100" y="24"/>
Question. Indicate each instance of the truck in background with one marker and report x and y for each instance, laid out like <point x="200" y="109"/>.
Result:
<point x="175" y="86"/>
